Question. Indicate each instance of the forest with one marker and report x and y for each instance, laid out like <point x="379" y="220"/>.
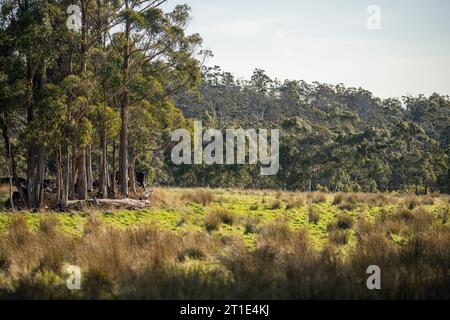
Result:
<point x="332" y="137"/>
<point x="88" y="113"/>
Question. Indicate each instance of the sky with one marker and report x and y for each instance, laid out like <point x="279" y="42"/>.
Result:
<point x="329" y="41"/>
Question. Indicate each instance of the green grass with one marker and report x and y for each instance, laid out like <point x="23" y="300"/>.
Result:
<point x="235" y="244"/>
<point x="240" y="203"/>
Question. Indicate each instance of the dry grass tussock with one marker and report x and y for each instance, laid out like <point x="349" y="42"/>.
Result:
<point x="199" y="196"/>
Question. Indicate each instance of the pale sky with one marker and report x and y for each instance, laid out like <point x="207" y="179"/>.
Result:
<point x="328" y="41"/>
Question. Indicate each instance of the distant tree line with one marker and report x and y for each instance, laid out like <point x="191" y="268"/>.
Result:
<point x="332" y="137"/>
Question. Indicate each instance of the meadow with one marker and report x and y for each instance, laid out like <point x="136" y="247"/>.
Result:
<point x="233" y="244"/>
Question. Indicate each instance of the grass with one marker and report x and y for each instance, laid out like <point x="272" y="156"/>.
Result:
<point x="202" y="244"/>
<point x="216" y="217"/>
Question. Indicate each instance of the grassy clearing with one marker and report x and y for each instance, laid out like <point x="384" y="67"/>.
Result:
<point x="234" y="244"/>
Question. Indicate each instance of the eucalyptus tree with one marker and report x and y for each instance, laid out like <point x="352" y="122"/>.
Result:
<point x="157" y="41"/>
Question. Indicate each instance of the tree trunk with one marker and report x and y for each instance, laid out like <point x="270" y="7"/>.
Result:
<point x="59" y="182"/>
<point x="81" y="178"/>
<point x="39" y="177"/>
<point x="89" y="176"/>
<point x="11" y="199"/>
<point x="123" y="148"/>
<point x="132" y="173"/>
<point x="103" y="177"/>
<point x="9" y="158"/>
<point x="113" y="178"/>
<point x="30" y="173"/>
<point x="123" y="153"/>
<point x="84" y="34"/>
<point x="73" y="173"/>
<point x="65" y="178"/>
<point x="10" y="154"/>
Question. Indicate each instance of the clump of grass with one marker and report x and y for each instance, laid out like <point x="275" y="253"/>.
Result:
<point x="278" y="232"/>
<point x="427" y="200"/>
<point x="316" y="197"/>
<point x="212" y="222"/>
<point x="278" y="195"/>
<point x="443" y="215"/>
<point x="48" y="225"/>
<point x="251" y="225"/>
<point x="93" y="223"/>
<point x="253" y="207"/>
<point x="344" y="221"/>
<point x="403" y="214"/>
<point x="337" y="237"/>
<point x="379" y="199"/>
<point x="422" y="219"/>
<point x="294" y="203"/>
<point x="199" y="196"/>
<point x="275" y="204"/>
<point x="338" y="198"/>
<point x="191" y="253"/>
<point x="216" y="217"/>
<point x="313" y="215"/>
<point x="168" y="199"/>
<point x="347" y="206"/>
<point x="182" y="221"/>
<point x="18" y="229"/>
<point x="411" y="202"/>
<point x="346" y="201"/>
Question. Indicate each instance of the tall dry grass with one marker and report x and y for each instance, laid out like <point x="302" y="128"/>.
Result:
<point x="149" y="262"/>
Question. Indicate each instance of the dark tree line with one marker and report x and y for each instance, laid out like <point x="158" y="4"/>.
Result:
<point x="332" y="137"/>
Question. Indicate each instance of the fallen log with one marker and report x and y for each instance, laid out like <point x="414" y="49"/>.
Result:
<point x="126" y="203"/>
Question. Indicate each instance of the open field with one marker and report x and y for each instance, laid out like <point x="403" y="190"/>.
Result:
<point x="200" y="244"/>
